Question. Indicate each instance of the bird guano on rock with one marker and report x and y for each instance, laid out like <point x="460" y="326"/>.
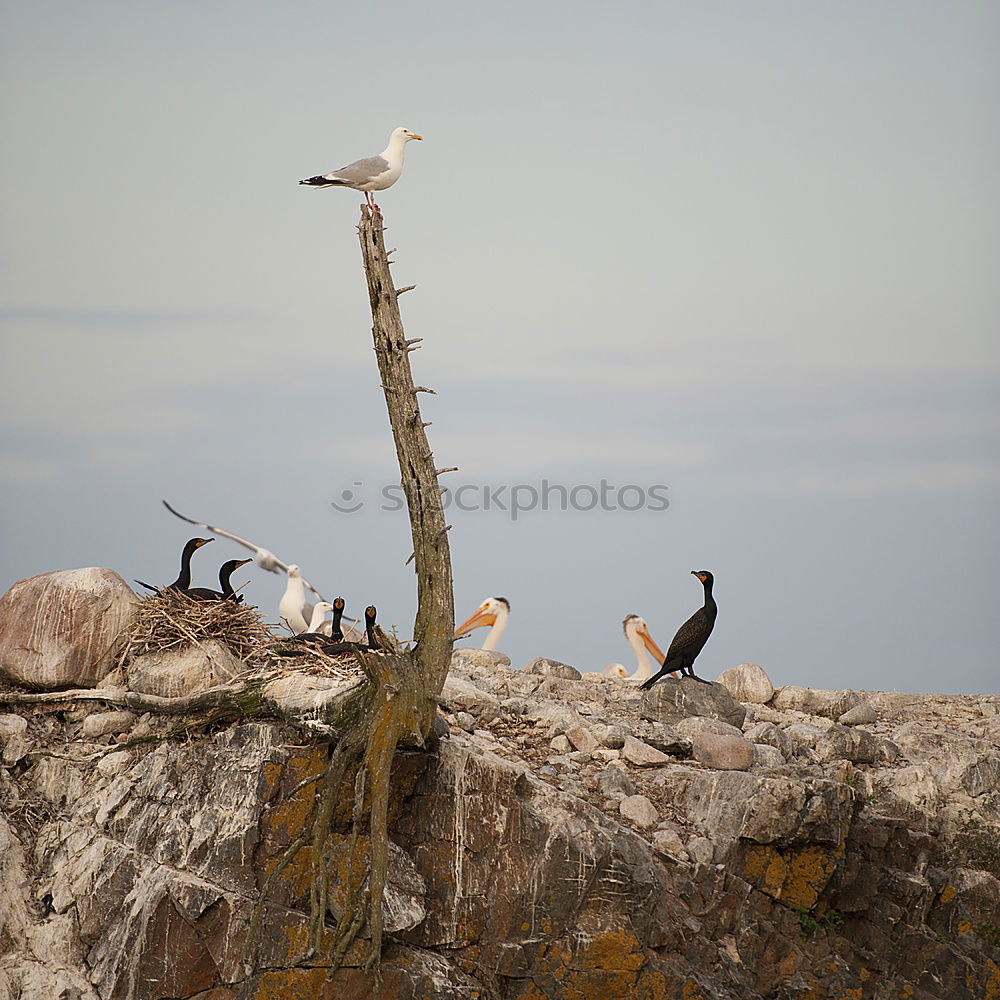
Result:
<point x="494" y="611"/>
<point x="373" y="173"/>
<point x="691" y="636"/>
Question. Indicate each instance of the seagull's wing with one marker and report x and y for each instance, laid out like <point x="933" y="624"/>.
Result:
<point x="235" y="538"/>
<point x="360" y="171"/>
<point x="270" y="563"/>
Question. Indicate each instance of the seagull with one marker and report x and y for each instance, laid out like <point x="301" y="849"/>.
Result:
<point x="263" y="558"/>
<point x="374" y="173"/>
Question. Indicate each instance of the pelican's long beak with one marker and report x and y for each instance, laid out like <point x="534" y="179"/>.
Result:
<point x="651" y="645"/>
<point x="481" y="617"/>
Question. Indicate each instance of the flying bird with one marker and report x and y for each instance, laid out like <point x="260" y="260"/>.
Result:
<point x="691" y="636"/>
<point x="263" y="558"/>
<point x="373" y="173"/>
<point x="493" y="611"/>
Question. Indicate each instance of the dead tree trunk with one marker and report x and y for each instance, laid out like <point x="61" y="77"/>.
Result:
<point x="435" y="623"/>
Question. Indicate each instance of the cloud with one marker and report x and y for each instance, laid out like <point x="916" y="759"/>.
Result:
<point x="28" y="471"/>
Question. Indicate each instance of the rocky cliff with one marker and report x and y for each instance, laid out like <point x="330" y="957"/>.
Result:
<point x="564" y="841"/>
<point x="569" y="837"/>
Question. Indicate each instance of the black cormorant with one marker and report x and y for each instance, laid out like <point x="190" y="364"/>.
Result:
<point x="183" y="581"/>
<point x="691" y="636"/>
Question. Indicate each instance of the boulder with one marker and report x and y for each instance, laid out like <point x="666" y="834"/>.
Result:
<point x="107" y="723"/>
<point x="639" y="810"/>
<point x="813" y="701"/>
<point x="183" y="670"/>
<point x="553" y="668"/>
<point x="663" y="737"/>
<point x="613" y="779"/>
<point x="671" y="700"/>
<point x="983" y="775"/>
<point x="766" y="756"/>
<point x="769" y="733"/>
<point x="64" y="629"/>
<point x="860" y="715"/>
<point x="612" y="737"/>
<point x="699" y="724"/>
<point x="486" y="659"/>
<point x="724" y="753"/>
<point x="748" y="683"/>
<point x="462" y="694"/>
<point x="642" y="754"/>
<point x="582" y="739"/>
<point x="667" y="843"/>
<point x="843" y="743"/>
<point x="14" y="741"/>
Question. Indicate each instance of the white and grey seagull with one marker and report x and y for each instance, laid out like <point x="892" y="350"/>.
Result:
<point x="263" y="558"/>
<point x="373" y="173"/>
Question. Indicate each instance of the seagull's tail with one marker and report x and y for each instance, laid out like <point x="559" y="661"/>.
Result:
<point x="321" y="181"/>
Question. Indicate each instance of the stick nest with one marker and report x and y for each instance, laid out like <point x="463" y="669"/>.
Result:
<point x="173" y="619"/>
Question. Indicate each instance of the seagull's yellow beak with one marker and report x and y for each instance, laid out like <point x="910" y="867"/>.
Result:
<point x="650" y="645"/>
<point x="413" y="135"/>
<point x="481" y="617"/>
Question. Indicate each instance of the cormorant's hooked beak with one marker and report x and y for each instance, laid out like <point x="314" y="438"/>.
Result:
<point x="481" y="617"/>
<point x="243" y="562"/>
<point x="650" y="644"/>
<point x="204" y="541"/>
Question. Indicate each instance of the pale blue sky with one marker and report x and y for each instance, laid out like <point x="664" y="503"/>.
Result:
<point x="748" y="250"/>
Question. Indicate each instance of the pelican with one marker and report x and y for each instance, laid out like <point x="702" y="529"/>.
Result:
<point x="615" y="670"/>
<point x="493" y="611"/>
<point x="638" y="637"/>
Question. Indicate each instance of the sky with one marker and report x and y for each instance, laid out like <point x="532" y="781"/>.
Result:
<point x="741" y="257"/>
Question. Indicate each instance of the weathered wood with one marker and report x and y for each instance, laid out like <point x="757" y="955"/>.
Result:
<point x="435" y="623"/>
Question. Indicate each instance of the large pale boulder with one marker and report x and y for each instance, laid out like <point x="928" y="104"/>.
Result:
<point x="183" y="670"/>
<point x="485" y="659"/>
<point x="722" y="752"/>
<point x="815" y="701"/>
<point x="64" y="629"/>
<point x="552" y="668"/>
<point x="671" y="700"/>
<point x="747" y="683"/>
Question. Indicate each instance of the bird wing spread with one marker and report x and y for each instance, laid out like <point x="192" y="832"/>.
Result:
<point x="240" y="541"/>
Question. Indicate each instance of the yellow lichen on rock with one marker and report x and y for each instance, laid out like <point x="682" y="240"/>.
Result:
<point x="796" y="876"/>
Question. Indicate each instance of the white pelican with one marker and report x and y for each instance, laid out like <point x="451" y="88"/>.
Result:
<point x="493" y="611"/>
<point x="615" y="670"/>
<point x="640" y="640"/>
<point x="374" y="173"/>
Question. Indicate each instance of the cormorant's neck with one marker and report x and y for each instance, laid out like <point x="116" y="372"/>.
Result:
<point x="709" y="599"/>
<point x="370" y="629"/>
<point x="184" y="579"/>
